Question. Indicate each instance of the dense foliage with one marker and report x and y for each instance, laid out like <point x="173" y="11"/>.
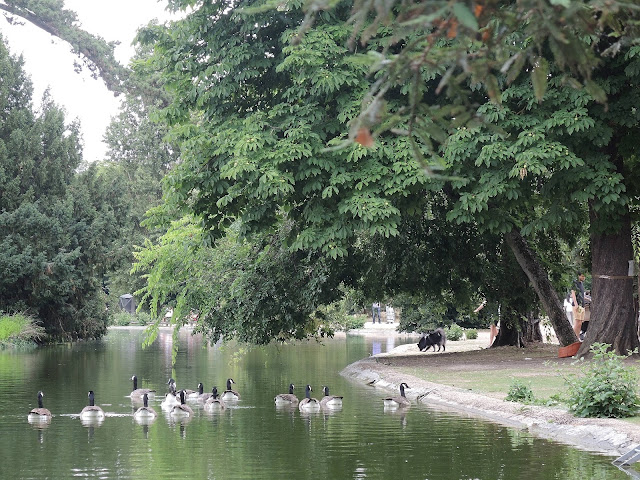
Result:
<point x="605" y="387"/>
<point x="252" y="291"/>
<point x="55" y="226"/>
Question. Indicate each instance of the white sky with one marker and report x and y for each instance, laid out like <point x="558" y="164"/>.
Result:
<point x="50" y="64"/>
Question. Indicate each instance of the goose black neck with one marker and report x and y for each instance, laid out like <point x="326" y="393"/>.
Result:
<point x="291" y="388"/>
<point x="307" y="391"/>
<point x="40" y="400"/>
<point x="91" y="399"/>
<point x="214" y="392"/>
<point x="145" y="400"/>
<point x="135" y="382"/>
<point x="402" y="391"/>
<point x="229" y="384"/>
<point x="200" y="388"/>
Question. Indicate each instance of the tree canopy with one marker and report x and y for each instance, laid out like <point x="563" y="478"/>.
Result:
<point x="56" y="225"/>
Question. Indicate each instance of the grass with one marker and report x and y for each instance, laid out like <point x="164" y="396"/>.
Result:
<point x="19" y="329"/>
<point x="492" y="372"/>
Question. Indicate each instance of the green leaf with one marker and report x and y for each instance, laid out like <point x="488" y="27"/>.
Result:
<point x="596" y="91"/>
<point x="539" y="76"/>
<point x="464" y="16"/>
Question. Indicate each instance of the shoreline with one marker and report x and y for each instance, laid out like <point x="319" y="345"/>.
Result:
<point x="611" y="437"/>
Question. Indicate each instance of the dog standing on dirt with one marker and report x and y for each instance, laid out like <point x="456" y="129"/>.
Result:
<point x="428" y="340"/>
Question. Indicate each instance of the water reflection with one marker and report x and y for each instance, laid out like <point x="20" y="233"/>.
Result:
<point x="356" y="441"/>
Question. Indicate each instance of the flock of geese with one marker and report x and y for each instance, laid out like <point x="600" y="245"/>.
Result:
<point x="175" y="402"/>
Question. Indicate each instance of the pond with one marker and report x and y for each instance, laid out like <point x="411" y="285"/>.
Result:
<point x="251" y="439"/>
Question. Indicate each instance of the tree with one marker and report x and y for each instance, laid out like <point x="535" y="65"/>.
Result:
<point x="95" y="52"/>
<point x="138" y="158"/>
<point x="252" y="291"/>
<point x="54" y="228"/>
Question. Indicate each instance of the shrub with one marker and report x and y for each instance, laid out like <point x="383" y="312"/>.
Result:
<point x="471" y="333"/>
<point x="121" y="319"/>
<point x="354" y="322"/>
<point x="519" y="392"/>
<point x="606" y="387"/>
<point x="19" y="329"/>
<point x="454" y="332"/>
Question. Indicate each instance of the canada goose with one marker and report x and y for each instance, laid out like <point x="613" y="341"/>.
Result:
<point x="91" y="411"/>
<point x="137" y="393"/>
<point x="308" y="404"/>
<point x="214" y="402"/>
<point x="145" y="412"/>
<point x="287" y="398"/>
<point x="228" y="394"/>
<point x="330" y="401"/>
<point x="187" y="391"/>
<point x="201" y="396"/>
<point x="39" y="414"/>
<point x="400" y="401"/>
<point x="170" y="399"/>
<point x="182" y="410"/>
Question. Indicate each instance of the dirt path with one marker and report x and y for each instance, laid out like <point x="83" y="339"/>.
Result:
<point x="386" y="371"/>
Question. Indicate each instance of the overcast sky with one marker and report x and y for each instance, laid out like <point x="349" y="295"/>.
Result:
<point x="50" y="64"/>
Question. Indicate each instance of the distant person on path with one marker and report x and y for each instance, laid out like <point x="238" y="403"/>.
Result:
<point x="375" y="311"/>
<point x="493" y="326"/>
<point x="577" y="295"/>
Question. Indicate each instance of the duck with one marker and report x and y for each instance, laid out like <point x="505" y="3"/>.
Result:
<point x="228" y="394"/>
<point x="182" y="410"/>
<point x="330" y="401"/>
<point x="287" y="398"/>
<point x="139" y="392"/>
<point x="39" y="414"/>
<point x="92" y="411"/>
<point x="214" y="402"/>
<point x="308" y="404"/>
<point x="145" y="412"/>
<point x="400" y="401"/>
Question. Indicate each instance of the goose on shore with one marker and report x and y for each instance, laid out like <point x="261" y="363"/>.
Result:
<point x="214" y="402"/>
<point x="287" y="398"/>
<point x="330" y="401"/>
<point x="145" y="412"/>
<point x="92" y="411"/>
<point x="39" y="414"/>
<point x="182" y="410"/>
<point x="400" y="401"/>
<point x="229" y="394"/>
<point x="137" y="393"/>
<point x="309" y="404"/>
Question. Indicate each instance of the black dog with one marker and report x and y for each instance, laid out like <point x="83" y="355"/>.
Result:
<point x="437" y="337"/>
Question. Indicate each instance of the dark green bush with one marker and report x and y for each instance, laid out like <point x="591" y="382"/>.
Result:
<point x="471" y="333"/>
<point x="605" y="388"/>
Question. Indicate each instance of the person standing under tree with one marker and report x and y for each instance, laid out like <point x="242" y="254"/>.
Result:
<point x="577" y="295"/>
<point x="375" y="311"/>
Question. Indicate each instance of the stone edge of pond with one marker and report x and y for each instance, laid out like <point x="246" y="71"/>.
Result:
<point x="611" y="437"/>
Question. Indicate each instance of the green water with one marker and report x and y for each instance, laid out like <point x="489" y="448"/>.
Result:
<point x="253" y="439"/>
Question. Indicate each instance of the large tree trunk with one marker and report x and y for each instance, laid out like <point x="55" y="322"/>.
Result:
<point x="612" y="309"/>
<point x="542" y="286"/>
<point x="531" y="325"/>
<point x="511" y="330"/>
